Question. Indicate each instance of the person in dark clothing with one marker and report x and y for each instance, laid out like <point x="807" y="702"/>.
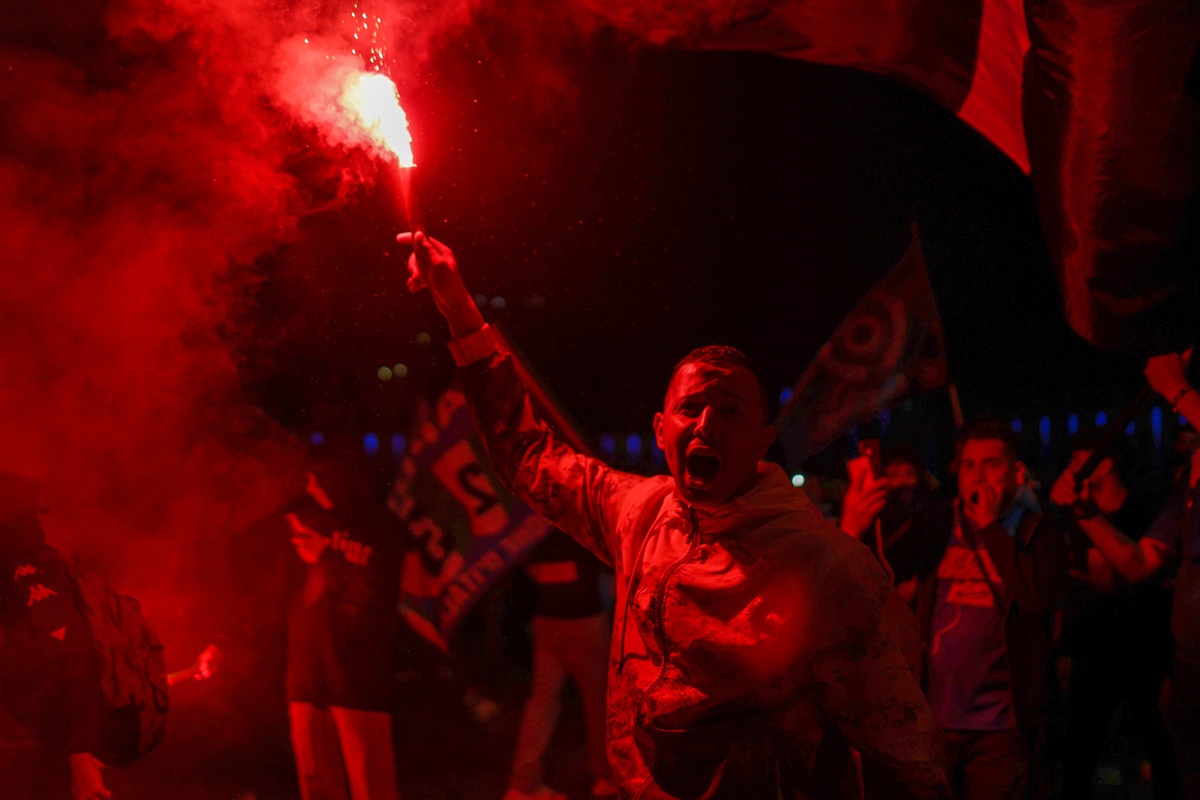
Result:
<point x="989" y="571"/>
<point x="904" y="506"/>
<point x="49" y="681"/>
<point x="341" y="636"/>
<point x="1115" y="643"/>
<point x="570" y="639"/>
<point x="1173" y="539"/>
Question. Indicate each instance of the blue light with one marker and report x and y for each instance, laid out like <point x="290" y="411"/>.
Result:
<point x="399" y="445"/>
<point x="608" y="445"/>
<point x="1016" y="426"/>
<point x="1129" y="429"/>
<point x="1072" y="424"/>
<point x="1183" y="421"/>
<point x="317" y="438"/>
<point x="885" y="419"/>
<point x="1044" y="431"/>
<point x="785" y="395"/>
<point x="371" y="444"/>
<point x="1156" y="426"/>
<point x="633" y="447"/>
<point x="1101" y="419"/>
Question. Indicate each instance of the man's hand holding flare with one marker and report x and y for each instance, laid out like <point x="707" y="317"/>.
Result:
<point x="432" y="266"/>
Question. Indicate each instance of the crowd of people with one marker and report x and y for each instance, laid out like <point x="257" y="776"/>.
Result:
<point x="975" y="643"/>
<point x="976" y="648"/>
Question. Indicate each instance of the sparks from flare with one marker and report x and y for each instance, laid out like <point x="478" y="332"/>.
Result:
<point x="366" y="105"/>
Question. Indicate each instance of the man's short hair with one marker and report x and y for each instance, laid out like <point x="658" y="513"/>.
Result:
<point x="725" y="356"/>
<point x="904" y="453"/>
<point x="985" y="428"/>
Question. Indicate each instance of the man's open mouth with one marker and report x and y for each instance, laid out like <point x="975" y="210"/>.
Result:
<point x="703" y="468"/>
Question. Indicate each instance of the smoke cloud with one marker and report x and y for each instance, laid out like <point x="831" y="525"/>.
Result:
<point x="153" y="155"/>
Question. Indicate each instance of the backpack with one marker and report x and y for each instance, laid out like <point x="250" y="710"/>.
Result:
<point x="133" y="674"/>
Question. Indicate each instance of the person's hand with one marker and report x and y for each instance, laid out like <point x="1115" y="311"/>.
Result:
<point x="86" y="781"/>
<point x="865" y="497"/>
<point x="310" y="543"/>
<point x="1063" y="492"/>
<point x="1167" y="374"/>
<point x="206" y="663"/>
<point x="981" y="506"/>
<point x="432" y="266"/>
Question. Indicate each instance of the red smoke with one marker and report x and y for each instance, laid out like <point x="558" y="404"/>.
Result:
<point x="151" y="156"/>
<point x="140" y="182"/>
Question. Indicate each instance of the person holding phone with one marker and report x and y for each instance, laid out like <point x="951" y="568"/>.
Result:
<point x="886" y="500"/>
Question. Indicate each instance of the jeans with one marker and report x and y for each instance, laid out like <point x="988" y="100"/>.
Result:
<point x="994" y="765"/>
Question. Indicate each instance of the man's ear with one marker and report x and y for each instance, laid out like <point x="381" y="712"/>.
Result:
<point x="658" y="434"/>
<point x="1022" y="473"/>
<point x="766" y="439"/>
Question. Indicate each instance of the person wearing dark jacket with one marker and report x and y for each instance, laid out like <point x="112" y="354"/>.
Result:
<point x="49" y="681"/>
<point x="1116" y="643"/>
<point x="753" y="644"/>
<point x="991" y="572"/>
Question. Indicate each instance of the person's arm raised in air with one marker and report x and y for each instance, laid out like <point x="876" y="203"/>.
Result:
<point x="579" y="494"/>
<point x="1140" y="560"/>
<point x="1133" y="561"/>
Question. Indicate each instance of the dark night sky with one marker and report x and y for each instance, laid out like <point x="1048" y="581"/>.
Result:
<point x="685" y="198"/>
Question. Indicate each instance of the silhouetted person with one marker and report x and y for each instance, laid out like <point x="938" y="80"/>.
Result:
<point x="1173" y="539"/>
<point x="1115" y="639"/>
<point x="341" y="636"/>
<point x="570" y="640"/>
<point x="49" y="678"/>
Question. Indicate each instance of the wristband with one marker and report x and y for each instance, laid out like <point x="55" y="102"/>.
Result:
<point x="1187" y="387"/>
<point x="472" y="347"/>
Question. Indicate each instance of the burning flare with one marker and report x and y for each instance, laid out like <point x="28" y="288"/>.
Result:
<point x="373" y="104"/>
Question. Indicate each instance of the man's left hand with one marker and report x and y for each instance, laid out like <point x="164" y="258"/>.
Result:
<point x="86" y="781"/>
<point x="1064" y="493"/>
<point x="981" y="506"/>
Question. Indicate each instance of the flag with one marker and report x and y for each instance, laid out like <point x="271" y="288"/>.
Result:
<point x="464" y="529"/>
<point x="1111" y="120"/>
<point x="1096" y="102"/>
<point x="889" y="346"/>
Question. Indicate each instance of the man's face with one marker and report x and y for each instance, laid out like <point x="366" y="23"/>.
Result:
<point x="713" y="432"/>
<point x="901" y="475"/>
<point x="987" y="461"/>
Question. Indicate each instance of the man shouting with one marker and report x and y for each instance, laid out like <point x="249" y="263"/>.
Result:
<point x="754" y="644"/>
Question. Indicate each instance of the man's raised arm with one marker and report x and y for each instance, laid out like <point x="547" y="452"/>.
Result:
<point x="580" y="495"/>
